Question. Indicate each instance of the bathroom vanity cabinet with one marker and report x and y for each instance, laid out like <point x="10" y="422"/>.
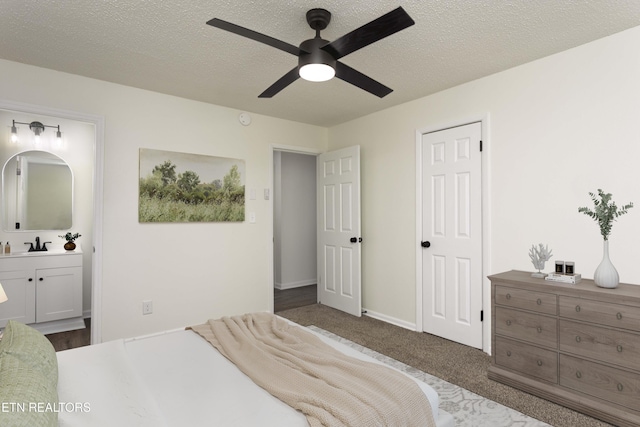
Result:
<point x="44" y="290"/>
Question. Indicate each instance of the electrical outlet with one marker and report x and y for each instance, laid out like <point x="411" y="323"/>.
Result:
<point x="147" y="307"/>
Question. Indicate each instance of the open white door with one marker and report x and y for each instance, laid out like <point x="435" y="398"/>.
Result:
<point x="452" y="234"/>
<point x="339" y="241"/>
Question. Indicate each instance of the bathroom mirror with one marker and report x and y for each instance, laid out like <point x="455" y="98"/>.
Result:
<point x="37" y="192"/>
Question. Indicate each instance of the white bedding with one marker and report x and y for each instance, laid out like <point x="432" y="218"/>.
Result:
<point x="103" y="379"/>
<point x="175" y="379"/>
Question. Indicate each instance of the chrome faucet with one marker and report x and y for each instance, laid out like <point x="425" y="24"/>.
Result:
<point x="38" y="248"/>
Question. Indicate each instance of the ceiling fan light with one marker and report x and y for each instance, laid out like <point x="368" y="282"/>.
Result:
<point x="317" y="72"/>
<point x="315" y="65"/>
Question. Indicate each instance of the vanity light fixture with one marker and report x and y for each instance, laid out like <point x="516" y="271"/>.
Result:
<point x="3" y="298"/>
<point x="37" y="128"/>
<point x="14" y="133"/>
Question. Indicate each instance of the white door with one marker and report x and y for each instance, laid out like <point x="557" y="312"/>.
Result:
<point x="452" y="234"/>
<point x="339" y="240"/>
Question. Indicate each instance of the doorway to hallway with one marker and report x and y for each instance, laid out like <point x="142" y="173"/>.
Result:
<point x="332" y="226"/>
<point x="294" y="228"/>
<point x="293" y="298"/>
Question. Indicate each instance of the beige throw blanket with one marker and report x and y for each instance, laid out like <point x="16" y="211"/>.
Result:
<point x="330" y="388"/>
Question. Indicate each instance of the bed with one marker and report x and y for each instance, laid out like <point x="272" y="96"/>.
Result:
<point x="174" y="378"/>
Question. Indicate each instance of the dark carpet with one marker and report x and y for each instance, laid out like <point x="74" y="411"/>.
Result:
<point x="450" y="361"/>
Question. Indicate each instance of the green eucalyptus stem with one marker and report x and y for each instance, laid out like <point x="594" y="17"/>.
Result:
<point x="69" y="237"/>
<point x="605" y="211"/>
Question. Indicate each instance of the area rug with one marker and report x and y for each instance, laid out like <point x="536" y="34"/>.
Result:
<point x="467" y="408"/>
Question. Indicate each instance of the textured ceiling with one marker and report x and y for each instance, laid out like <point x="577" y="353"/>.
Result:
<point x="165" y="46"/>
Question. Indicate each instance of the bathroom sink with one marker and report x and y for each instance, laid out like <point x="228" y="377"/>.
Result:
<point x="52" y="249"/>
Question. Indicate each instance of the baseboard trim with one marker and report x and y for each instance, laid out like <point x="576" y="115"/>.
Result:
<point x="56" y="326"/>
<point x="292" y="285"/>
<point x="388" y="319"/>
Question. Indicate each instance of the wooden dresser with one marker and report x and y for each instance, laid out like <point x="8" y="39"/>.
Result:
<point x="575" y="345"/>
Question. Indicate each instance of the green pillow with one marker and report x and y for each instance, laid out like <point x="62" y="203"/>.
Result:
<point x="28" y="378"/>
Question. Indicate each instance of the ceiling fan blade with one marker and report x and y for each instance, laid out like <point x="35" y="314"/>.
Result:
<point x="356" y="78"/>
<point x="253" y="35"/>
<point x="375" y="30"/>
<point x="283" y="82"/>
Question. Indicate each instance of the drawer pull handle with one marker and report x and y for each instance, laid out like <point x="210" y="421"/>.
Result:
<point x="539" y="329"/>
<point x="539" y="362"/>
<point x="508" y="296"/>
<point x="620" y="387"/>
<point x="619" y="348"/>
<point x="578" y="374"/>
<point x="619" y="316"/>
<point x="577" y="309"/>
<point x="578" y="339"/>
<point x="508" y="322"/>
<point x="509" y="353"/>
<point x="539" y="301"/>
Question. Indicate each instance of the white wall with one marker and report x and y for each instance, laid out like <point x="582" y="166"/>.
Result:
<point x="191" y="272"/>
<point x="295" y="220"/>
<point x="559" y="127"/>
<point x="78" y="151"/>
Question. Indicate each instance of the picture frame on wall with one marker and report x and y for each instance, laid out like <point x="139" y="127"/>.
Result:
<point x="183" y="187"/>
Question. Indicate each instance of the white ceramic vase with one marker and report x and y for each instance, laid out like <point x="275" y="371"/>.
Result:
<point x="606" y="275"/>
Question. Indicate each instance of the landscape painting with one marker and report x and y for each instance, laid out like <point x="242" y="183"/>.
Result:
<point x="180" y="187"/>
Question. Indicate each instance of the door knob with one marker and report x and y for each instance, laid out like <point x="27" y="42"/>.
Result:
<point x="355" y="239"/>
<point x="425" y="244"/>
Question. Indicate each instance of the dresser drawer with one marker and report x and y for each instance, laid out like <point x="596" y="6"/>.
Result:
<point x="525" y="326"/>
<point x="540" y="302"/>
<point x="601" y="381"/>
<point x="604" y="344"/>
<point x="527" y="359"/>
<point x="604" y="313"/>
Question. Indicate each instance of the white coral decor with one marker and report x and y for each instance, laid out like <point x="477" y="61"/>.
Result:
<point x="539" y="255"/>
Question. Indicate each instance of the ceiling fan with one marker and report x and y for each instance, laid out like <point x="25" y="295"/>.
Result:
<point x="318" y="58"/>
